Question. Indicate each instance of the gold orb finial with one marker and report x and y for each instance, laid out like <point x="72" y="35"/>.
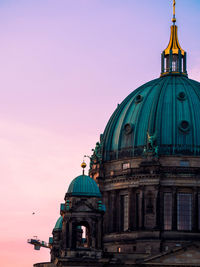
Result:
<point x="83" y="165"/>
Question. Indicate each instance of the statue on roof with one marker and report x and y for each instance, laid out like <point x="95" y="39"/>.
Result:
<point x="96" y="157"/>
<point x="151" y="148"/>
<point x="97" y="153"/>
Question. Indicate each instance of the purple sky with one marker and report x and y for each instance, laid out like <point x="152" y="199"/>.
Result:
<point x="64" y="66"/>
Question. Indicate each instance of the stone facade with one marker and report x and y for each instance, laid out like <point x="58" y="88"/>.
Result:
<point x="147" y="167"/>
<point x="143" y="237"/>
<point x="145" y="183"/>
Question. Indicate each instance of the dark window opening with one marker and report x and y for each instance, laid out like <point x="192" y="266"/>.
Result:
<point x="175" y="63"/>
<point x="184" y="163"/>
<point x="137" y="210"/>
<point x="82" y="236"/>
<point x="149" y="204"/>
<point x="184" y="212"/>
<point x="125" y="166"/>
<point x="167" y="64"/>
<point x="199" y="211"/>
<point x="124" y="212"/>
<point x="167" y="211"/>
<point x="118" y="250"/>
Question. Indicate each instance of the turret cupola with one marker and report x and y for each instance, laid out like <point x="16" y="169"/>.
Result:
<point x="173" y="58"/>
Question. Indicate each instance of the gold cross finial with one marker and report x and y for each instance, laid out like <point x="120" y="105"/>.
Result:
<point x="174" y="11"/>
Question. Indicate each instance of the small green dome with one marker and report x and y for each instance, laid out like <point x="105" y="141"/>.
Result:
<point x="58" y="225"/>
<point x="84" y="185"/>
<point x="167" y="108"/>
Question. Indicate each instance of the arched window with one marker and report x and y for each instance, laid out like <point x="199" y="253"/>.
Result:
<point x="82" y="235"/>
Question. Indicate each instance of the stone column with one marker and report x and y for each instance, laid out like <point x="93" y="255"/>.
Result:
<point x="99" y="233"/>
<point x="195" y="214"/>
<point x="106" y="215"/>
<point x="93" y="234"/>
<point x="157" y="208"/>
<point x="112" y="212"/>
<point x="132" y="210"/>
<point x="142" y="211"/>
<point x="137" y="210"/>
<point x="174" y="209"/>
<point x="160" y="216"/>
<point x="70" y="234"/>
<point x="64" y="233"/>
<point x="117" y="211"/>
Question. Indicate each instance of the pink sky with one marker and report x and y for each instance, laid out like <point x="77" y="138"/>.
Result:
<point x="64" y="66"/>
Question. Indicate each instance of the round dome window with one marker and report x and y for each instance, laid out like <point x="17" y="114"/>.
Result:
<point x="128" y="128"/>
<point x="184" y="126"/>
<point x="138" y="99"/>
<point x="181" y="96"/>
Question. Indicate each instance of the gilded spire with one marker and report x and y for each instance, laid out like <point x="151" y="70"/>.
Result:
<point x="173" y="57"/>
<point x="173" y="42"/>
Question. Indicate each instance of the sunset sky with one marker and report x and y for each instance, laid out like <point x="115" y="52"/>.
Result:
<point x="64" y="67"/>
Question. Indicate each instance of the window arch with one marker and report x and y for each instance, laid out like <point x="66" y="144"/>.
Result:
<point x="82" y="236"/>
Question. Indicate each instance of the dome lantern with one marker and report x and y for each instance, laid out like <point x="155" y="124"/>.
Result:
<point x="173" y="58"/>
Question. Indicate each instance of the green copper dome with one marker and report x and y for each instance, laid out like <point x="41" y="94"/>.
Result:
<point x="165" y="110"/>
<point x="58" y="225"/>
<point x="84" y="185"/>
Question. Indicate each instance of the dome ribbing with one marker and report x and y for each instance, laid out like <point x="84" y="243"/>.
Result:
<point x="84" y="185"/>
<point x="166" y="109"/>
<point x="58" y="225"/>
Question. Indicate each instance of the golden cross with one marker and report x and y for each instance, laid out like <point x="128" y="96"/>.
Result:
<point x="174" y="8"/>
<point x="174" y="11"/>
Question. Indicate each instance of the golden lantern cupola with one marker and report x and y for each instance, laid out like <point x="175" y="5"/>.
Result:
<point x="173" y="58"/>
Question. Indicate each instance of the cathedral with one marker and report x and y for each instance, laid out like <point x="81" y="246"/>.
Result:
<point x="140" y="203"/>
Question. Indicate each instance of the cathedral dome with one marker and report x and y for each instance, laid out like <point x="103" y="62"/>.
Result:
<point x="161" y="117"/>
<point x="58" y="225"/>
<point x="84" y="185"/>
<point x="164" y="112"/>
